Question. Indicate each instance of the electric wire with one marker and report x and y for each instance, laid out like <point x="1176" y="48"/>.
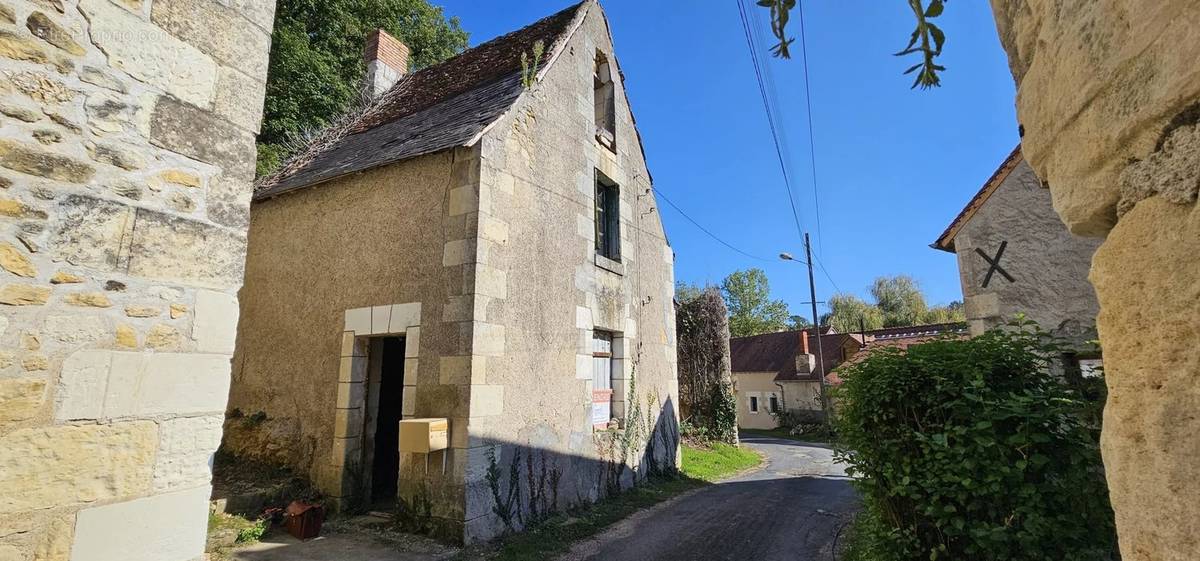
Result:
<point x="706" y="230"/>
<point x="770" y="115"/>
<point x="812" y="153"/>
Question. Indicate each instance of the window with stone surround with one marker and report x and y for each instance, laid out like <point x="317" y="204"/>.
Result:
<point x="602" y="378"/>
<point x="604" y="98"/>
<point x="608" y="218"/>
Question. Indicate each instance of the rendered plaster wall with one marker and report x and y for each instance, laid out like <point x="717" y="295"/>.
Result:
<point x="762" y="386"/>
<point x="1108" y="92"/>
<point x="126" y="157"/>
<point x="541" y="295"/>
<point x="1048" y="264"/>
<point x="392" y="235"/>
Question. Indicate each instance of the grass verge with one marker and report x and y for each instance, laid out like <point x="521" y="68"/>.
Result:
<point x="857" y="545"/>
<point x="555" y="535"/>
<point x="717" y="461"/>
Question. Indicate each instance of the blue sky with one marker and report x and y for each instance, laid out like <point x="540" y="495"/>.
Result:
<point x="894" y="165"/>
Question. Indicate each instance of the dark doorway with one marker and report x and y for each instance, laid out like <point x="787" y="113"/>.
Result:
<point x="386" y="468"/>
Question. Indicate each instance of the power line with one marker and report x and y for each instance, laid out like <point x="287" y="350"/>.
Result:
<point x="812" y="152"/>
<point x="823" y="270"/>
<point x="705" y="230"/>
<point x="770" y="116"/>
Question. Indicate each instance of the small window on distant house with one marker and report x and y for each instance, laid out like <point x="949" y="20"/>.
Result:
<point x="773" y="403"/>
<point x="604" y="94"/>
<point x="753" y="404"/>
<point x="602" y="374"/>
<point x="608" y="218"/>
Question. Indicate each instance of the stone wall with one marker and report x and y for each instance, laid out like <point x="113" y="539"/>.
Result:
<point x="126" y="156"/>
<point x="318" y="258"/>
<point x="1047" y="263"/>
<point x="1108" y="93"/>
<point x="532" y="393"/>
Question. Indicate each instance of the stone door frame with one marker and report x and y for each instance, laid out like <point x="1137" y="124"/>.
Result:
<point x="356" y="383"/>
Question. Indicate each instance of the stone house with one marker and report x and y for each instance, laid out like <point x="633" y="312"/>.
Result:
<point x="126" y="166"/>
<point x="480" y="245"/>
<point x="1015" y="255"/>
<point x="775" y="372"/>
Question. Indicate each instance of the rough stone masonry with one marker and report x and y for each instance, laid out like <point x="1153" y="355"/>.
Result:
<point x="126" y="160"/>
<point x="1109" y="96"/>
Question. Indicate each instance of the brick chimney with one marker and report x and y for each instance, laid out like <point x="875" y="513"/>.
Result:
<point x="387" y="61"/>
<point x="806" y="363"/>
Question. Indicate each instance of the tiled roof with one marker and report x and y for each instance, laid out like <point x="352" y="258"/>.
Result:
<point x="776" y="352"/>
<point x="945" y="242"/>
<point x="443" y="106"/>
<point x="915" y="331"/>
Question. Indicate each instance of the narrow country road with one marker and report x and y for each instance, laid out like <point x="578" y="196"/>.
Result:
<point x="792" y="509"/>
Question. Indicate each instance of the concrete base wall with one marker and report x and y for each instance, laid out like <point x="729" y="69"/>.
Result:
<point x="126" y="158"/>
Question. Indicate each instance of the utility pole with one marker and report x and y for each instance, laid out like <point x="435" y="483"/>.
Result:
<point x="812" y="292"/>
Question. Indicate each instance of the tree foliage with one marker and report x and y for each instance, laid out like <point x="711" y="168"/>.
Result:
<point x="899" y="302"/>
<point x="706" y="398"/>
<point x="796" y="323"/>
<point x="900" y="299"/>
<point x="316" y="69"/>
<point x="686" y="292"/>
<point x="926" y="40"/>
<point x="751" y="309"/>
<point x="973" y="449"/>
<point x="850" y="313"/>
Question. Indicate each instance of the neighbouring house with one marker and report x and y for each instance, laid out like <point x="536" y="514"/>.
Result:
<point x="126" y="165"/>
<point x="1015" y="256"/>
<point x="776" y="372"/>
<point x="476" y="258"/>
<point x="896" y="338"/>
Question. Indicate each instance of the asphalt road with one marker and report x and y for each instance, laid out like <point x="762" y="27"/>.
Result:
<point x="793" y="509"/>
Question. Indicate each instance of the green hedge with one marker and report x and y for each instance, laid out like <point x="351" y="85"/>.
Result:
<point x="973" y="450"/>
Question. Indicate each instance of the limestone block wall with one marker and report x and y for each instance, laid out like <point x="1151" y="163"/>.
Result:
<point x="385" y="252"/>
<point x="1109" y="95"/>
<point x="126" y="157"/>
<point x="541" y="292"/>
<point x="1048" y="264"/>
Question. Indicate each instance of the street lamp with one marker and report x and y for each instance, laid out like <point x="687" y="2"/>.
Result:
<point x="812" y="293"/>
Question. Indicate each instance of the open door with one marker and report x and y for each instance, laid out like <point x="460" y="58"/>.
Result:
<point x="385" y="468"/>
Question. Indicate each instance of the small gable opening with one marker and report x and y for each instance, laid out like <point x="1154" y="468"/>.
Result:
<point x="604" y="94"/>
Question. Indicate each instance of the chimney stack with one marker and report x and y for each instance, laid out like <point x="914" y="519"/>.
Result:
<point x="806" y="363"/>
<point x="387" y="61"/>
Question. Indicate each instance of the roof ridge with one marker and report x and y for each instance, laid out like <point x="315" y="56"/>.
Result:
<point x="470" y="92"/>
<point x="489" y="43"/>
<point x="945" y="241"/>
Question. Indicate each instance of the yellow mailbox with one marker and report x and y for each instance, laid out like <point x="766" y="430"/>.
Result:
<point x="424" y="435"/>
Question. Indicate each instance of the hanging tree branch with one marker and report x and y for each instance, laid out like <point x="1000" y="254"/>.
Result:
<point x="927" y="39"/>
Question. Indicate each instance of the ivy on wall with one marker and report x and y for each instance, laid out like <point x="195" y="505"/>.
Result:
<point x="706" y="397"/>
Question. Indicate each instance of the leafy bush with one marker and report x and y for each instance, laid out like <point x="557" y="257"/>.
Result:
<point x="973" y="449"/>
<point x="805" y="423"/>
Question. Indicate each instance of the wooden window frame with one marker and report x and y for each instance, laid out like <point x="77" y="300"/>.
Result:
<point x="602" y="395"/>
<point x="608" y="218"/>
